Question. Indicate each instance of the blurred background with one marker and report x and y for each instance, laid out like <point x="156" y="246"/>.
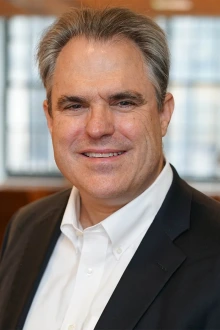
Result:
<point x="192" y="145"/>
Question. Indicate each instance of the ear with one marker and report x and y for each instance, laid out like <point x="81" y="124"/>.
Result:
<point x="48" y="116"/>
<point x="166" y="113"/>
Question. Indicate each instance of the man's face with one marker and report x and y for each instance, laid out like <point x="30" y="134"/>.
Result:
<point x="105" y="125"/>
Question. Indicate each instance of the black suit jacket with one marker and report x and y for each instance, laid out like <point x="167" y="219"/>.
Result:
<point x="172" y="282"/>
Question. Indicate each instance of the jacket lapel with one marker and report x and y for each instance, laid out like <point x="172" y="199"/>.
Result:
<point x="25" y="275"/>
<point x="153" y="264"/>
<point x="156" y="259"/>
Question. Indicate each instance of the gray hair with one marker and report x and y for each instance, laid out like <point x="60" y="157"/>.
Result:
<point x="104" y="25"/>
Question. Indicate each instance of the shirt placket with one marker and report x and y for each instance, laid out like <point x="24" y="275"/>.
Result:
<point x="88" y="277"/>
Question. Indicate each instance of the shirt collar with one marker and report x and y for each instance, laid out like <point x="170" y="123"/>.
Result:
<point x="70" y="218"/>
<point x="126" y="224"/>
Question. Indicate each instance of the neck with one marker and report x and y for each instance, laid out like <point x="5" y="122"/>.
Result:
<point x="92" y="212"/>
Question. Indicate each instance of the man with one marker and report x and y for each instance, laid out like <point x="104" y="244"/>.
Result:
<point x="131" y="246"/>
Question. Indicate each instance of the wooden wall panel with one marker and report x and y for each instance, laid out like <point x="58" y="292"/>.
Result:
<point x="51" y="7"/>
<point x="8" y="9"/>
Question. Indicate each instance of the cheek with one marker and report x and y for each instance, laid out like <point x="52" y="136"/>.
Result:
<point x="144" y="131"/>
<point x="65" y="131"/>
<point x="130" y="126"/>
<point x="138" y="128"/>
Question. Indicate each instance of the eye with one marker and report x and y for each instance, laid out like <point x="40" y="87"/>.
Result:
<point x="126" y="103"/>
<point x="76" y="106"/>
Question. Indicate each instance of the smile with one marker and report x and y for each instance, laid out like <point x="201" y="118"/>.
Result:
<point x="102" y="154"/>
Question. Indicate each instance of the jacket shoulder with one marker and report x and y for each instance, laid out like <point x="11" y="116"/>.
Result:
<point x="200" y="203"/>
<point x="41" y="207"/>
<point x="204" y="206"/>
<point x="46" y="203"/>
<point x="205" y="214"/>
<point x="203" y="235"/>
<point x="197" y="214"/>
<point x="29" y="216"/>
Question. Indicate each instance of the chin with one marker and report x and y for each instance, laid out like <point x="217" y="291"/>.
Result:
<point x="104" y="193"/>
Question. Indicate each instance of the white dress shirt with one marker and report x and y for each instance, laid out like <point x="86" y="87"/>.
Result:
<point x="86" y="265"/>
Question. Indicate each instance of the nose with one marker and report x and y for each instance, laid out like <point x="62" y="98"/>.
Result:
<point x="100" y="122"/>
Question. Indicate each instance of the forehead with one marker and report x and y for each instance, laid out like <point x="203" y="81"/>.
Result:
<point x="84" y="62"/>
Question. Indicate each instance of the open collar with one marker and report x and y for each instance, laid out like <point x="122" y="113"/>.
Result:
<point x="153" y="264"/>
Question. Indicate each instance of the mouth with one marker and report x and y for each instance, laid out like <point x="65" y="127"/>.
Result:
<point x="102" y="154"/>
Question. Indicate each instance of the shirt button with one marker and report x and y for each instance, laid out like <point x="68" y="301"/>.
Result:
<point x="71" y="327"/>
<point x="119" y="250"/>
<point x="89" y="271"/>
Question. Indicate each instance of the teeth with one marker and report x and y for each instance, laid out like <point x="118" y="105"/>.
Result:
<point x="102" y="155"/>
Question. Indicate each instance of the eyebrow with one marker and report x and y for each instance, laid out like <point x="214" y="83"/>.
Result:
<point x="131" y="95"/>
<point x="65" y="99"/>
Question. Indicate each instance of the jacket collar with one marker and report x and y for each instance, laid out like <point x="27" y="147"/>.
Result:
<point x="153" y="264"/>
